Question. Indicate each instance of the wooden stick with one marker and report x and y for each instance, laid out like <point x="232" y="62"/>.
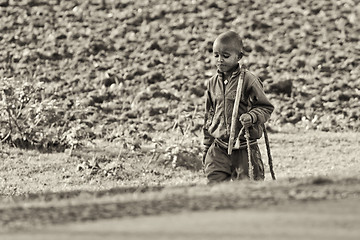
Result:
<point x="269" y="153"/>
<point x="234" y="117"/>
<point x="251" y="169"/>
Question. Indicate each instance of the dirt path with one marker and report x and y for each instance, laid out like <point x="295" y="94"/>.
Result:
<point x="335" y="219"/>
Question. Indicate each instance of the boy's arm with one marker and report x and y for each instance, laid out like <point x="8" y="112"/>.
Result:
<point x="261" y="107"/>
<point x="209" y="113"/>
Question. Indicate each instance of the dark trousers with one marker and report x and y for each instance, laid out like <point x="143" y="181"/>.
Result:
<point x="219" y="166"/>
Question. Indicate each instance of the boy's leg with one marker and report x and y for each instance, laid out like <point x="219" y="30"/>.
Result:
<point x="217" y="164"/>
<point x="241" y="163"/>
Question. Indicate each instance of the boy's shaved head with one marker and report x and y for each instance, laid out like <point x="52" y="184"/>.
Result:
<point x="231" y="40"/>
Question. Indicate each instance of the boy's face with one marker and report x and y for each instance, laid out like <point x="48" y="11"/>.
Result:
<point x="225" y="55"/>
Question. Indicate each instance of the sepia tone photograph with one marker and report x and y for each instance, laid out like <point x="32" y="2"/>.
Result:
<point x="179" y="119"/>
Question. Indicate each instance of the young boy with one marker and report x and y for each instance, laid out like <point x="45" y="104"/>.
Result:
<point x="254" y="110"/>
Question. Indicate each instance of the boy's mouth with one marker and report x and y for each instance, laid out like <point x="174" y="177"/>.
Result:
<point x="222" y="67"/>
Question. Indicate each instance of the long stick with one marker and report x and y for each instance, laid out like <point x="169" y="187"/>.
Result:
<point x="235" y="113"/>
<point x="269" y="153"/>
<point x="250" y="170"/>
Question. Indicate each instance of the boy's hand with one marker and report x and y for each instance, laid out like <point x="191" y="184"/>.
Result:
<point x="246" y="120"/>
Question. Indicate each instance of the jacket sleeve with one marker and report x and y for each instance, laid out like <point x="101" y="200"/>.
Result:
<point x="261" y="108"/>
<point x="209" y="113"/>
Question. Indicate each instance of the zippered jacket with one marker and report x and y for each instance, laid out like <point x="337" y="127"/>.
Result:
<point x="220" y="98"/>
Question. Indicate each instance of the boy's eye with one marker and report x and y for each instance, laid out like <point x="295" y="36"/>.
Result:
<point x="216" y="55"/>
<point x="226" y="56"/>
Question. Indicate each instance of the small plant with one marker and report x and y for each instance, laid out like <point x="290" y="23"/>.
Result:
<point x="27" y="118"/>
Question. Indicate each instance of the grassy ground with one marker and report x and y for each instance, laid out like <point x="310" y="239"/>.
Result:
<point x="104" y="165"/>
<point x="95" y="183"/>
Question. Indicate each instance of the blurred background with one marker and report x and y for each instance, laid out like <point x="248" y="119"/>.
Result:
<point x="107" y="69"/>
